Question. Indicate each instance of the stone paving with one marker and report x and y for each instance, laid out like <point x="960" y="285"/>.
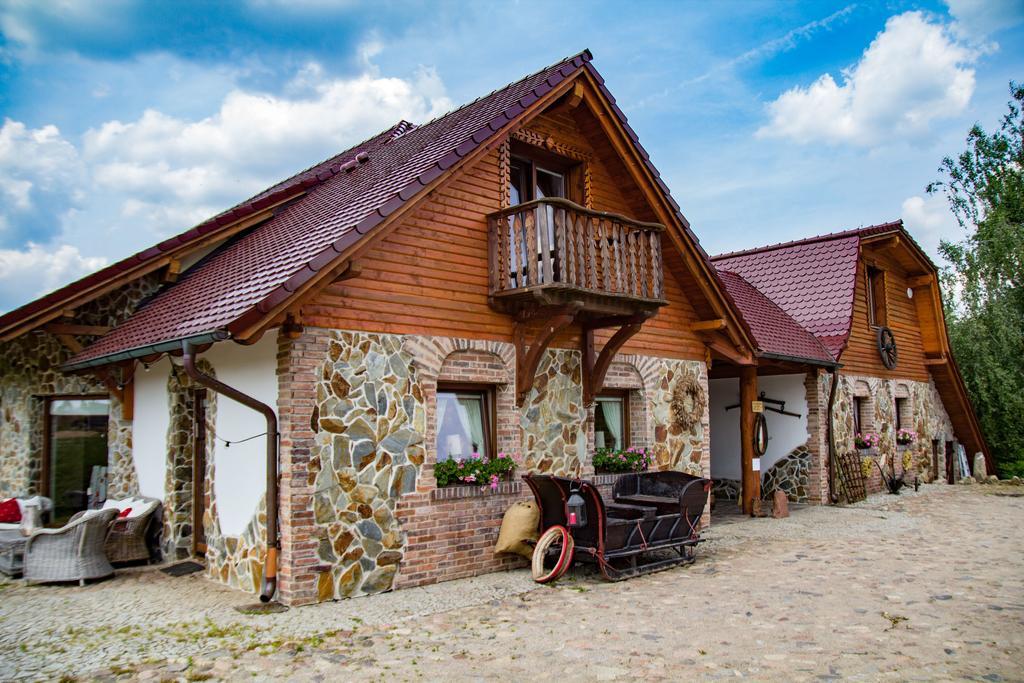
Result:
<point x="920" y="587"/>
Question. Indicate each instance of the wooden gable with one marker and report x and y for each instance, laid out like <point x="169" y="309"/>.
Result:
<point x="429" y="274"/>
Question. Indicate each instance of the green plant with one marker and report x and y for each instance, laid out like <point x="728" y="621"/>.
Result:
<point x="866" y="440"/>
<point x="632" y="459"/>
<point x="984" y="283"/>
<point x="475" y="470"/>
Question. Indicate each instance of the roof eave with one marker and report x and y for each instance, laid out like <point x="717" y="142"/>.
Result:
<point x="147" y="350"/>
<point x="798" y="359"/>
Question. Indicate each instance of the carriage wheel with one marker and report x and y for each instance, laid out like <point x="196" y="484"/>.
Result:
<point x="552" y="555"/>
<point x="887" y="347"/>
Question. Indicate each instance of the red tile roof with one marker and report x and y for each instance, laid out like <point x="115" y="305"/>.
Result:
<point x="776" y="333"/>
<point x="812" y="280"/>
<point x="248" y="277"/>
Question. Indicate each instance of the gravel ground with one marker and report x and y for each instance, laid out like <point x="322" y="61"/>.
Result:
<point x="927" y="586"/>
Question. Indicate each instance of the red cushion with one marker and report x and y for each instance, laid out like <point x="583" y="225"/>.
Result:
<point x="124" y="513"/>
<point x="10" y="511"/>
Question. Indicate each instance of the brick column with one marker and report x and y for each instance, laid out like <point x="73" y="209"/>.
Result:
<point x="816" y="384"/>
<point x="297" y="363"/>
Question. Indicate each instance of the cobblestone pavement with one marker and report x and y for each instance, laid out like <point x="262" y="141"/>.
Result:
<point x="920" y="587"/>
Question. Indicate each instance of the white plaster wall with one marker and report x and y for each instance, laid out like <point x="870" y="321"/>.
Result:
<point x="784" y="432"/>
<point x="149" y="428"/>
<point x="240" y="470"/>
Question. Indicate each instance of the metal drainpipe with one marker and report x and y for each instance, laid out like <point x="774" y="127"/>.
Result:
<point x="273" y="544"/>
<point x="833" y="495"/>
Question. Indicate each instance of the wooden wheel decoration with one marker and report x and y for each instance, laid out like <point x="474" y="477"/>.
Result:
<point x="760" y="434"/>
<point x="886" y="347"/>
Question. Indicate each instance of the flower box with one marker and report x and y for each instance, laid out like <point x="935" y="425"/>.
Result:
<point x="476" y="470"/>
<point x="611" y="461"/>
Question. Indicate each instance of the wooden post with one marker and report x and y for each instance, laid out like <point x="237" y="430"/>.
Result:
<point x="751" y="479"/>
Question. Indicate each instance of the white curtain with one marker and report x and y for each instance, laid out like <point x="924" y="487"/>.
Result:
<point x="471" y="416"/>
<point x="612" y="411"/>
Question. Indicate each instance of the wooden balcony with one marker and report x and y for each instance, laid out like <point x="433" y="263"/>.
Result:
<point x="553" y="252"/>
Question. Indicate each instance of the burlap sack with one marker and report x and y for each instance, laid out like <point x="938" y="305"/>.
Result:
<point x="518" y="526"/>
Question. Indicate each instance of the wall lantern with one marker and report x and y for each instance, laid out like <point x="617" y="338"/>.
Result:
<point x="576" y="508"/>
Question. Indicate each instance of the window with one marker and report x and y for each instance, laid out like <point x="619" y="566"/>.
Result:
<point x="902" y="413"/>
<point x="859" y="403"/>
<point x="75" y="443"/>
<point x="465" y="421"/>
<point x="611" y="420"/>
<point x="531" y="179"/>
<point x="876" y="297"/>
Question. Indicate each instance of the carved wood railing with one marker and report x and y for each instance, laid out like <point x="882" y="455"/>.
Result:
<point x="557" y="243"/>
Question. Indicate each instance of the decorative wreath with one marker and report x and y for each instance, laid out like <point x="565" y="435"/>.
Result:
<point x="688" y="402"/>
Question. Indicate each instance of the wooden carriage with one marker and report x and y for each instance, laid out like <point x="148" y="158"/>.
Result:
<point x="653" y="523"/>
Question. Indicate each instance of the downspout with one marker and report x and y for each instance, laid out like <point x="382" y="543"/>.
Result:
<point x="833" y="495"/>
<point x="273" y="544"/>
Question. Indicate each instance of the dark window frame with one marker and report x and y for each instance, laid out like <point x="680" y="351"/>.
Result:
<point x="876" y="287"/>
<point x="899" y="401"/>
<point x="624" y="394"/>
<point x="44" y="465"/>
<point x="490" y="410"/>
<point x="858" y="405"/>
<point x="533" y="158"/>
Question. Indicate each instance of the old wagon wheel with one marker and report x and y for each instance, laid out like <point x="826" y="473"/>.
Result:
<point x="552" y="554"/>
<point x="760" y="434"/>
<point x="887" y="347"/>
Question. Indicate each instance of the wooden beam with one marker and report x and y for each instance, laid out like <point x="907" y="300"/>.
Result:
<point x="918" y="281"/>
<point x="707" y="325"/>
<point x="172" y="271"/>
<point x="726" y="351"/>
<point x="70" y="343"/>
<point x="575" y="96"/>
<point x="936" y="361"/>
<point x="353" y="269"/>
<point x="887" y="243"/>
<point x="72" y="328"/>
<point x="292" y="327"/>
<point x="751" y="480"/>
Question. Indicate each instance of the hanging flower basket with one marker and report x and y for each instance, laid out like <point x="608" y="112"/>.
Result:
<point x="905" y="438"/>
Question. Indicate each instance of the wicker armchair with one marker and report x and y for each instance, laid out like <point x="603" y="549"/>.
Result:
<point x="74" y="552"/>
<point x="129" y="536"/>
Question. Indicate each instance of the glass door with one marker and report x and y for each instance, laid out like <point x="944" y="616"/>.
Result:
<point x="76" y="432"/>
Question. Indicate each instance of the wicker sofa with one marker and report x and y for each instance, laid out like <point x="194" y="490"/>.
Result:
<point x="44" y="504"/>
<point x="75" y="552"/>
<point x="132" y="537"/>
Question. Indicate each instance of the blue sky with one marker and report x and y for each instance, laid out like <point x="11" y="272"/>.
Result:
<point x="124" y="122"/>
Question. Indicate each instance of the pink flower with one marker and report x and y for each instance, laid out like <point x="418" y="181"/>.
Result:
<point x="475" y="456"/>
<point x="469" y="478"/>
<point x="494" y="482"/>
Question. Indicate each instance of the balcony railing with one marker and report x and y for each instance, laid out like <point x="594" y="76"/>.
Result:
<point x="555" y="244"/>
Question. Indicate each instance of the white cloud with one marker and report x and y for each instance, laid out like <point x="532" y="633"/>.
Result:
<point x="913" y="72"/>
<point x="930" y="221"/>
<point x="40" y="173"/>
<point x="29" y="273"/>
<point x="980" y="18"/>
<point x="129" y="184"/>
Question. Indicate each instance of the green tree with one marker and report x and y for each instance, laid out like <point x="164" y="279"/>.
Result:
<point x="984" y="282"/>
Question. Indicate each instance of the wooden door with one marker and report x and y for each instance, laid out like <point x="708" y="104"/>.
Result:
<point x="199" y="472"/>
<point x="949" y="462"/>
<point x="935" y="459"/>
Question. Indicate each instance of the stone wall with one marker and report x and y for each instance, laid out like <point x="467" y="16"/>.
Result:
<point x="29" y="373"/>
<point x="361" y="512"/>
<point x="791" y="475"/>
<point x="928" y="418"/>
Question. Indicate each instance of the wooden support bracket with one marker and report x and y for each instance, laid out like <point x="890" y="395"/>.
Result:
<point x="596" y="368"/>
<point x="919" y="281"/>
<point x="172" y="271"/>
<point x="554" y="320"/>
<point x="292" y="327"/>
<point x="705" y="325"/>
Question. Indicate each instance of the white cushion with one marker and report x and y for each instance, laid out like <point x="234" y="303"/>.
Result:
<point x="7" y="526"/>
<point x="25" y="502"/>
<point x="140" y="508"/>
